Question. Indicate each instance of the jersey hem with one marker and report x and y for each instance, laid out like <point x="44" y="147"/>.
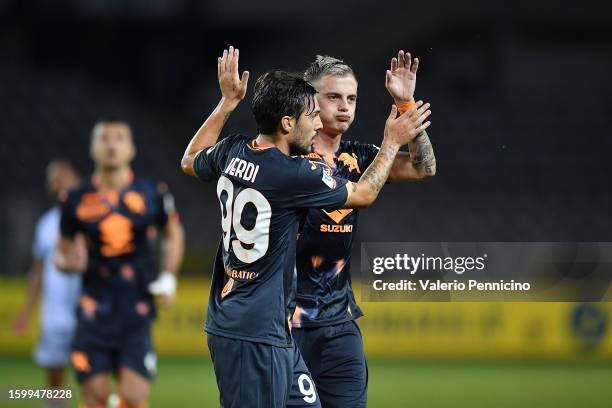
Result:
<point x="252" y="339"/>
<point x="323" y="323"/>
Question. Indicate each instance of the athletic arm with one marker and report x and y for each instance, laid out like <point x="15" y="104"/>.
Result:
<point x="233" y="90"/>
<point x="71" y="254"/>
<point x="417" y="164"/>
<point x="173" y="247"/>
<point x="400" y="82"/>
<point x="21" y="323"/>
<point x="398" y="132"/>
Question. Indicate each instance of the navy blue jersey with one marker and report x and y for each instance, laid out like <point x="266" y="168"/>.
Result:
<point x="324" y="293"/>
<point x="262" y="194"/>
<point x="119" y="227"/>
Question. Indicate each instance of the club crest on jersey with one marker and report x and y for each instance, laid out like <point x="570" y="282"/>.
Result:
<point x="350" y="160"/>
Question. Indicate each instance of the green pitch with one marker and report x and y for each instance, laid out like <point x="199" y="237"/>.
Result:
<point x="392" y="384"/>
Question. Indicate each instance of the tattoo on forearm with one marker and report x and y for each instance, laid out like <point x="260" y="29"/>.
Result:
<point x="377" y="173"/>
<point x="423" y="158"/>
<point x="225" y="118"/>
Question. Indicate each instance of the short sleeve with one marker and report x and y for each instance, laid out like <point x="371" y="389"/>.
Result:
<point x="166" y="210"/>
<point x="69" y="224"/>
<point x="315" y="187"/>
<point x="366" y="153"/>
<point x="38" y="246"/>
<point x="209" y="163"/>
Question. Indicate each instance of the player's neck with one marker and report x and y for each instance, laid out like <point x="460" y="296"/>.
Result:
<point x="265" y="141"/>
<point x="326" y="144"/>
<point x="112" y="179"/>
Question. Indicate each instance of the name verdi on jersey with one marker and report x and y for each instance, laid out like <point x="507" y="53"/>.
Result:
<point x="336" y="228"/>
<point x="243" y="169"/>
<point x="262" y="194"/>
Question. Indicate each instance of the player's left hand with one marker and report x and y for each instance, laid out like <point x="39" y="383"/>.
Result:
<point x="164" y="286"/>
<point x="400" y="80"/>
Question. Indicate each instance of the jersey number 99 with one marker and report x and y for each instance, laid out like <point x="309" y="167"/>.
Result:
<point x="250" y="244"/>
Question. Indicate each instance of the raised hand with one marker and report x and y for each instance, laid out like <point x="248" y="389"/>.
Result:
<point x="400" y="80"/>
<point x="401" y="130"/>
<point x="233" y="88"/>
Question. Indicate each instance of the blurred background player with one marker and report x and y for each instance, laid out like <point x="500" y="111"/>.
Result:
<point x="263" y="193"/>
<point x="58" y="292"/>
<point x="324" y="318"/>
<point x="106" y="226"/>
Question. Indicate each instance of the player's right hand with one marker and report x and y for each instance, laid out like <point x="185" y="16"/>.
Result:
<point x="233" y="88"/>
<point x="401" y="130"/>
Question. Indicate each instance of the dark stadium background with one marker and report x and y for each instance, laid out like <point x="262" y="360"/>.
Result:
<point x="521" y="98"/>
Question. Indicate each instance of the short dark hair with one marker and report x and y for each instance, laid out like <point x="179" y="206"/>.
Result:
<point x="325" y="65"/>
<point x="68" y="164"/>
<point x="111" y="119"/>
<point x="278" y="94"/>
<point x="103" y="120"/>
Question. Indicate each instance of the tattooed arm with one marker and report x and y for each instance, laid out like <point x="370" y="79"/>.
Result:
<point x="233" y="89"/>
<point x="398" y="131"/>
<point x="416" y="165"/>
<point x="422" y="154"/>
<point x="400" y="81"/>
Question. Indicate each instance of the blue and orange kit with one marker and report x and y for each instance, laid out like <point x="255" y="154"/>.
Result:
<point x="120" y="227"/>
<point x="324" y="292"/>
<point x="263" y="193"/>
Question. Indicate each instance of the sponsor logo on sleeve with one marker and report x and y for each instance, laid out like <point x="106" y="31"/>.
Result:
<point x="329" y="181"/>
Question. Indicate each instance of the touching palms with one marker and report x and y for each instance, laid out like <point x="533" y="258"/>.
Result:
<point x="233" y="88"/>
<point x="400" y="80"/>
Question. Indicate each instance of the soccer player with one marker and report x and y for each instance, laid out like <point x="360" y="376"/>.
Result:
<point x="57" y="291"/>
<point x="106" y="229"/>
<point x="262" y="193"/>
<point x="324" y="319"/>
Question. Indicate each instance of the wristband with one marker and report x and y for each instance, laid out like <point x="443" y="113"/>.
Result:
<point x="165" y="284"/>
<point x="403" y="108"/>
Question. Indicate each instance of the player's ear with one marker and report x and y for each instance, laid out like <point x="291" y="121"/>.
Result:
<point x="92" y="151"/>
<point x="133" y="151"/>
<point x="287" y="124"/>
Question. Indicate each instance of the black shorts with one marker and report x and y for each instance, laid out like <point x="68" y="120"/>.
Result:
<point x="258" y="375"/>
<point x="334" y="355"/>
<point x="96" y="351"/>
